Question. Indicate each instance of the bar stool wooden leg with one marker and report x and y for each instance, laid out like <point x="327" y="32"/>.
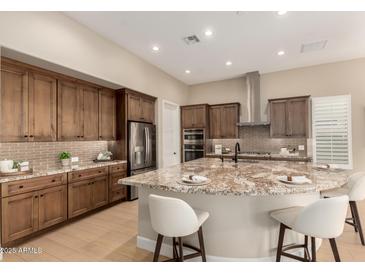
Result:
<point x="174" y="250"/>
<point x="280" y="242"/>
<point x="306" y="255"/>
<point x="334" y="250"/>
<point x="201" y="244"/>
<point x="181" y="257"/>
<point x="158" y="248"/>
<point x="314" y="251"/>
<point x="357" y="221"/>
<point x="353" y="216"/>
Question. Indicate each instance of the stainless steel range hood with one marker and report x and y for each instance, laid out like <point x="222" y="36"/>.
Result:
<point x="252" y="101"/>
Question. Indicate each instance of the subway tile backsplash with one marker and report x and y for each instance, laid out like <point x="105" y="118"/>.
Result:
<point x="258" y="139"/>
<point x="44" y="155"/>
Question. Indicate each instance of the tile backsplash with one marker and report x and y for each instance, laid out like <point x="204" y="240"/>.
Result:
<point x="44" y="155"/>
<point x="258" y="139"/>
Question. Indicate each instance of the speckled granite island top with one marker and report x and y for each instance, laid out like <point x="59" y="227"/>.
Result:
<point x="59" y="170"/>
<point x="242" y="179"/>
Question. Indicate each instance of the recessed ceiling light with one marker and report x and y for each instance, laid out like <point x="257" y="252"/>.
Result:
<point x="228" y="63"/>
<point x="187" y="71"/>
<point x="281" y="52"/>
<point x="155" y="48"/>
<point x="282" y="12"/>
<point x="208" y="32"/>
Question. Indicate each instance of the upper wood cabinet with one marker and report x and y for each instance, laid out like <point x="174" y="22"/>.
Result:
<point x="289" y="117"/>
<point x="140" y="107"/>
<point x="223" y="121"/>
<point x="194" y="116"/>
<point x="13" y="104"/>
<point x="42" y="107"/>
<point x="89" y="113"/>
<point x="69" y="111"/>
<point x="107" y="114"/>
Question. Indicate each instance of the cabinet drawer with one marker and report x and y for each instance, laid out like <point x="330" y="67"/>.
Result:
<point x="118" y="194"/>
<point x="118" y="168"/>
<point x="86" y="174"/>
<point x="114" y="178"/>
<point x="23" y="186"/>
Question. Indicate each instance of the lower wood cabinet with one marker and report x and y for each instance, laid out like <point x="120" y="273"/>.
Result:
<point x="117" y="191"/>
<point x="86" y="195"/>
<point x="27" y="213"/>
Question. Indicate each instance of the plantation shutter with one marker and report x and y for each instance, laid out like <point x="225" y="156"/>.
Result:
<point x="331" y="127"/>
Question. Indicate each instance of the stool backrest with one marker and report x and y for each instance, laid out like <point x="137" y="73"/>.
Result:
<point x="356" y="186"/>
<point x="172" y="217"/>
<point x="324" y="218"/>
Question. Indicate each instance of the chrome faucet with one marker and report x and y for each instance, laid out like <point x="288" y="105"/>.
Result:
<point x="237" y="149"/>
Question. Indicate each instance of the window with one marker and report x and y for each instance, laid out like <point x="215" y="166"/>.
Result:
<point x="331" y="126"/>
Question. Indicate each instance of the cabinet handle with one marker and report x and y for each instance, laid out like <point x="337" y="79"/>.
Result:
<point x="53" y="180"/>
<point x="100" y="136"/>
<point x="21" y="186"/>
<point x="31" y="136"/>
<point x="41" y="195"/>
<point x="78" y="136"/>
<point x="82" y="136"/>
<point x="25" y="136"/>
<point x="80" y="175"/>
<point x="99" y="171"/>
<point x="36" y="196"/>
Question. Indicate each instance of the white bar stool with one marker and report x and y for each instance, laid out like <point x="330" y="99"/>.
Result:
<point x="355" y="189"/>
<point x="322" y="219"/>
<point x="171" y="217"/>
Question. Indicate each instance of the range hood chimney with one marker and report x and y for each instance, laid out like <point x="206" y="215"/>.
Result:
<point x="252" y="101"/>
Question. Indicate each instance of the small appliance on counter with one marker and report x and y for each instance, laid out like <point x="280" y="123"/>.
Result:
<point x="74" y="162"/>
<point x="226" y="150"/>
<point x="104" y="156"/>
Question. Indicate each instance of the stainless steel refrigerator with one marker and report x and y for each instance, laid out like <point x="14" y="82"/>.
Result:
<point x="141" y="151"/>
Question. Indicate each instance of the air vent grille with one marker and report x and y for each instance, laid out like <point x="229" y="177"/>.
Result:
<point x="309" y="47"/>
<point x="191" y="40"/>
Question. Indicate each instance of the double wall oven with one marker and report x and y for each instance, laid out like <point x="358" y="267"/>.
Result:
<point x="193" y="144"/>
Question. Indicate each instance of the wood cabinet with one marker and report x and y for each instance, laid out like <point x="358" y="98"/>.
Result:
<point x="52" y="206"/>
<point x="223" y="121"/>
<point x="28" y="207"/>
<point x="42" y="107"/>
<point x="194" y="116"/>
<point x="79" y="198"/>
<point x="69" y="104"/>
<point x="107" y="115"/>
<point x="89" y="113"/>
<point x="140" y="107"/>
<point x="117" y="191"/>
<point x="289" y="117"/>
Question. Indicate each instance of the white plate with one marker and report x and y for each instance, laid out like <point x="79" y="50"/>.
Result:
<point x="296" y="180"/>
<point x="196" y="181"/>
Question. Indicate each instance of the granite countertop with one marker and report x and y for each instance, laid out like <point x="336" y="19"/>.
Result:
<point x="242" y="179"/>
<point x="59" y="170"/>
<point x="272" y="156"/>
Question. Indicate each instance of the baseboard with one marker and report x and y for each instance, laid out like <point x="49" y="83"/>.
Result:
<point x="166" y="250"/>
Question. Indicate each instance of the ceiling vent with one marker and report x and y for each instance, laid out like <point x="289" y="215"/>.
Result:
<point x="309" y="47"/>
<point x="191" y="40"/>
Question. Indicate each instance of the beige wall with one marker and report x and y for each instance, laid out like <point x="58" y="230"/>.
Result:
<point x="322" y="80"/>
<point x="56" y="38"/>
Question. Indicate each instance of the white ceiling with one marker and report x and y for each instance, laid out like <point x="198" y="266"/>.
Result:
<point x="250" y="40"/>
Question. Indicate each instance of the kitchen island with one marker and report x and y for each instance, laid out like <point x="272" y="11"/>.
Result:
<point x="239" y="198"/>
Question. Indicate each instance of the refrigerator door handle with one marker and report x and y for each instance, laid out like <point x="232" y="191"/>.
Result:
<point x="146" y="145"/>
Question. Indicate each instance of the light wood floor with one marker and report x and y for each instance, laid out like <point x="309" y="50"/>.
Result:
<point x="110" y="235"/>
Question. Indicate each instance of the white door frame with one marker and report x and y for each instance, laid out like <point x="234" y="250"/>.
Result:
<point x="164" y="102"/>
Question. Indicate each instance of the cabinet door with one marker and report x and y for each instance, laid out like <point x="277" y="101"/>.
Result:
<point x="79" y="198"/>
<point x="13" y="104"/>
<point x="200" y="117"/>
<point x="187" y="117"/>
<point x="89" y="114"/>
<point x="148" y="110"/>
<point x="42" y="107"/>
<point x="100" y="192"/>
<point x="278" y="116"/>
<point x="229" y="119"/>
<point x="134" y="108"/>
<point x="215" y="114"/>
<point x="19" y="216"/>
<point x="297" y="119"/>
<point x="68" y="111"/>
<point x="52" y="206"/>
<point x="107" y="116"/>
